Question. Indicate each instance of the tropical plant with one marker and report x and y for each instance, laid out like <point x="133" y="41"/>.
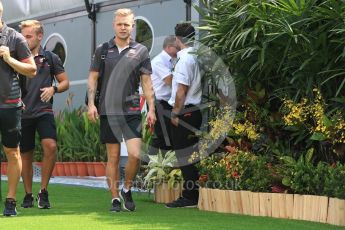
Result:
<point x="289" y="46"/>
<point x="282" y="49"/>
<point x="160" y="169"/>
<point x="78" y="138"/>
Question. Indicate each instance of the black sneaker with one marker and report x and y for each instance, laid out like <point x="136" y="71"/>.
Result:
<point x="115" y="205"/>
<point x="128" y="202"/>
<point x="182" y="203"/>
<point x="10" y="207"/>
<point x="42" y="199"/>
<point x="28" y="201"/>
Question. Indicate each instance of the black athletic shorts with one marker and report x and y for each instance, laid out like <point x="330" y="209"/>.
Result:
<point x="44" y="125"/>
<point x="10" y="127"/>
<point x="115" y="127"/>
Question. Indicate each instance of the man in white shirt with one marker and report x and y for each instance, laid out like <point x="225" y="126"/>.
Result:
<point x="185" y="116"/>
<point x="162" y="66"/>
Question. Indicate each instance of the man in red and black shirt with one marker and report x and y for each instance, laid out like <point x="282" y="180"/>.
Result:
<point x="126" y="64"/>
<point x="38" y="114"/>
<point x="15" y="57"/>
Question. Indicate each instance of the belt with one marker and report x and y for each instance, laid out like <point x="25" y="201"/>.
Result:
<point x="165" y="104"/>
<point x="189" y="106"/>
<point x="161" y="101"/>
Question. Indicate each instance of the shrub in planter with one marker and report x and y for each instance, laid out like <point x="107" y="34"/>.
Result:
<point x="334" y="185"/>
<point x="236" y="170"/>
<point x="78" y="138"/>
<point x="161" y="174"/>
<point x="304" y="177"/>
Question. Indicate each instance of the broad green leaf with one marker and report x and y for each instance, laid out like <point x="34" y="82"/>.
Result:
<point x="318" y="136"/>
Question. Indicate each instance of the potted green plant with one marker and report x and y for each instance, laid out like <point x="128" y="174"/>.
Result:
<point x="163" y="177"/>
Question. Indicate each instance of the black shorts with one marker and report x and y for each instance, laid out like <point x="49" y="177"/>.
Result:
<point x="114" y="127"/>
<point x="44" y="125"/>
<point x="10" y="127"/>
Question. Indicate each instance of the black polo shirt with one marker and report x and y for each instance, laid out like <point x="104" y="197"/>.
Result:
<point x="9" y="84"/>
<point x="34" y="107"/>
<point x="122" y="71"/>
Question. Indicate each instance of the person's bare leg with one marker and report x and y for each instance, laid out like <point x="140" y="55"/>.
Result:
<point x="133" y="148"/>
<point x="49" y="159"/>
<point x="112" y="169"/>
<point x="14" y="170"/>
<point x="27" y="171"/>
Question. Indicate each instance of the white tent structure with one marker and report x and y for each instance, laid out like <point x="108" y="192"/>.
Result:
<point x="18" y="10"/>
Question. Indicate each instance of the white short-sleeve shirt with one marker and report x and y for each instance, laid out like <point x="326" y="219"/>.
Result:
<point x="161" y="68"/>
<point x="187" y="72"/>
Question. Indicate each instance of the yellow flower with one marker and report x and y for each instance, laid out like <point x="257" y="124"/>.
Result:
<point x="297" y="112"/>
<point x="247" y="129"/>
<point x="219" y="127"/>
<point x="331" y="126"/>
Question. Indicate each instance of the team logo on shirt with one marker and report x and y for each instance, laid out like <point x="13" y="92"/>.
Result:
<point x="132" y="54"/>
<point x="40" y="61"/>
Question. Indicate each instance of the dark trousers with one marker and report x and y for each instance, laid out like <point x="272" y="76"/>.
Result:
<point x="162" y="129"/>
<point x="185" y="142"/>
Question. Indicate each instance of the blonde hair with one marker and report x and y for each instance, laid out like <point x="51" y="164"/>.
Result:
<point x="32" y="23"/>
<point x="124" y="12"/>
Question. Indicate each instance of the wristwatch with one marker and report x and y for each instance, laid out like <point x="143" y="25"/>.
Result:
<point x="173" y="114"/>
<point x="55" y="89"/>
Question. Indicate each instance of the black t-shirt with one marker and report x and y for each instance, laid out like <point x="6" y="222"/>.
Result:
<point x="9" y="85"/>
<point x="122" y="71"/>
<point x="34" y="107"/>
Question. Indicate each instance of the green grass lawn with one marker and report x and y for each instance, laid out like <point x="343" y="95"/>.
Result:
<point x="87" y="208"/>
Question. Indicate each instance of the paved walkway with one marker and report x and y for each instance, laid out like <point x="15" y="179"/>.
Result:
<point x="94" y="182"/>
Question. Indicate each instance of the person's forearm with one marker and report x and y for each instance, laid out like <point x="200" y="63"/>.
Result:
<point x="148" y="92"/>
<point x="91" y="90"/>
<point x="179" y="100"/>
<point x="24" y="68"/>
<point x="63" y="86"/>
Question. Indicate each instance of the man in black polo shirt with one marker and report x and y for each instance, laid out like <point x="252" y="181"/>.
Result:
<point x="38" y="114"/>
<point x="15" y="56"/>
<point x="126" y="64"/>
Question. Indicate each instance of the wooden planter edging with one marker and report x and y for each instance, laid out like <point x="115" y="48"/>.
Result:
<point x="164" y="194"/>
<point x="279" y="205"/>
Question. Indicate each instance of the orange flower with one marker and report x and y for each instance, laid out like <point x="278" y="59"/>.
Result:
<point x="228" y="166"/>
<point x="203" y="178"/>
<point x="235" y="174"/>
<point x="231" y="149"/>
<point x="277" y="189"/>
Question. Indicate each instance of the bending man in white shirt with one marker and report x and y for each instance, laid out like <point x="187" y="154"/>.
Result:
<point x="162" y="66"/>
